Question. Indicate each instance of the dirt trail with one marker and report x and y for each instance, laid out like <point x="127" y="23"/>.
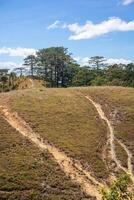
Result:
<point x="129" y="161"/>
<point x="112" y="139"/>
<point x="32" y="83"/>
<point x="72" y="169"/>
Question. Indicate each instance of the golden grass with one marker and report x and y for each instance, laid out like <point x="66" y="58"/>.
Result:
<point x="69" y="121"/>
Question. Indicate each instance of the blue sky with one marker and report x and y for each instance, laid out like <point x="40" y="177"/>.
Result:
<point x="86" y="27"/>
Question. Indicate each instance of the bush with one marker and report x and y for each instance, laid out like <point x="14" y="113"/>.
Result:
<point x="99" y="81"/>
<point x="119" y="189"/>
<point x="116" y="82"/>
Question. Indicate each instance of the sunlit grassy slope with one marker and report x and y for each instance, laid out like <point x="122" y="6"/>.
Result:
<point x="118" y="103"/>
<point x="27" y="173"/>
<point x="70" y="122"/>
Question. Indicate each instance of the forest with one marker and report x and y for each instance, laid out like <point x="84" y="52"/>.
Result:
<point x="57" y="68"/>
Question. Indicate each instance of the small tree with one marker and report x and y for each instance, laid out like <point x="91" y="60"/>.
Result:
<point x="12" y="80"/>
<point x="30" y="61"/>
<point x="82" y="77"/>
<point x="119" y="189"/>
<point x="97" y="61"/>
<point x="4" y="80"/>
<point x="20" y="71"/>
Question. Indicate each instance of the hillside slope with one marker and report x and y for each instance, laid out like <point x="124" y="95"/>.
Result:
<point x="76" y="123"/>
<point x="28" y="173"/>
<point x="118" y="104"/>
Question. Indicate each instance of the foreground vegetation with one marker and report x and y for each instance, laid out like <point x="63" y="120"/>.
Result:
<point x="27" y="173"/>
<point x="119" y="190"/>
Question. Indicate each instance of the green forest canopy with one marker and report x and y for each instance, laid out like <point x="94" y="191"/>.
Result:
<point x="57" y="68"/>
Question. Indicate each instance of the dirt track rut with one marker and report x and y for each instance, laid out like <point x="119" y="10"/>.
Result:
<point x="112" y="139"/>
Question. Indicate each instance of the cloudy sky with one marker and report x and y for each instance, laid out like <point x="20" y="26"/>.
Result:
<point x="86" y="27"/>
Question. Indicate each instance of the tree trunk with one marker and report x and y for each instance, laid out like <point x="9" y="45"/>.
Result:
<point x="32" y="70"/>
<point x="57" y="77"/>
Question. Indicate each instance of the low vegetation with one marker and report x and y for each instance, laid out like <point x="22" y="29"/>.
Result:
<point x="121" y="154"/>
<point x="66" y="119"/>
<point x="27" y="173"/>
<point x="119" y="190"/>
<point x="118" y="103"/>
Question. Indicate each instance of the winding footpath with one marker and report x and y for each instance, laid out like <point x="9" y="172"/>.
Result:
<point x="129" y="160"/>
<point x="71" y="168"/>
<point x="112" y="138"/>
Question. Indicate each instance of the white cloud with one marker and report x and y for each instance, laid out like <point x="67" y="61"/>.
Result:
<point x="9" y="65"/>
<point x="54" y="25"/>
<point x="21" y="52"/>
<point x="82" y="61"/>
<point x="110" y="61"/>
<point x="57" y="24"/>
<point x="127" y="2"/>
<point x="90" y="30"/>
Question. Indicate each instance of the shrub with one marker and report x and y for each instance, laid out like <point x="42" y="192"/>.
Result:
<point x="119" y="190"/>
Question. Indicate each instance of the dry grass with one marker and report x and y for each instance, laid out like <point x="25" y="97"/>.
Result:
<point x="118" y="103"/>
<point x="67" y="120"/>
<point x="27" y="173"/>
<point x="121" y="154"/>
<point x="26" y="83"/>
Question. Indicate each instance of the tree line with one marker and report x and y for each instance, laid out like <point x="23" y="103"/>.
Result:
<point x="57" y="68"/>
<point x="8" y="81"/>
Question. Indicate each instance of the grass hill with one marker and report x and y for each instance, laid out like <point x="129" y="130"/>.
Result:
<point x="70" y="125"/>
